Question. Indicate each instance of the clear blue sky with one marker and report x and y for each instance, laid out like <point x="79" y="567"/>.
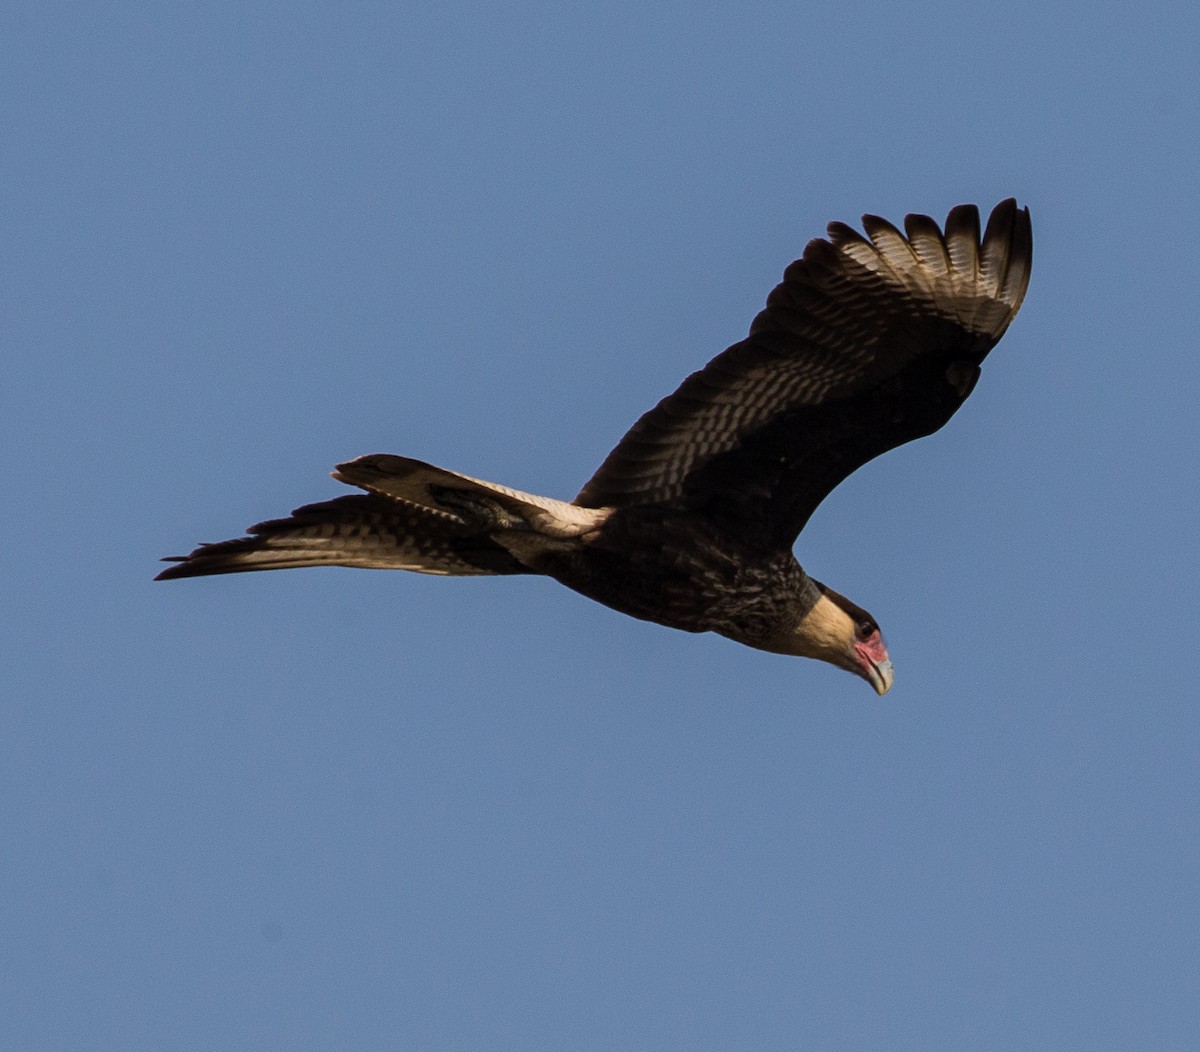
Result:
<point x="332" y="808"/>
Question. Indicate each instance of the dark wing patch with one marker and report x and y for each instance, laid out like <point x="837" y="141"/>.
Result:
<point x="361" y="530"/>
<point x="868" y="343"/>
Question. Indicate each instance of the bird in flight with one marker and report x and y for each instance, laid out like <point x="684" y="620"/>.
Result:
<point x="867" y="343"/>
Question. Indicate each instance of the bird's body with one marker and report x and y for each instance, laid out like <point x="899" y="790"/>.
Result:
<point x="658" y="564"/>
<point x="690" y="521"/>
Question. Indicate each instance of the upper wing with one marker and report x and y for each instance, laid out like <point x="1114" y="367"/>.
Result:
<point x="865" y="345"/>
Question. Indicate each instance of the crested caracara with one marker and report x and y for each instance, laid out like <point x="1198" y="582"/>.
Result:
<point x="868" y="342"/>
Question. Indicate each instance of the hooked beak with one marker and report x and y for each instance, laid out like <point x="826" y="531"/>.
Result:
<point x="881" y="676"/>
<point x="876" y="666"/>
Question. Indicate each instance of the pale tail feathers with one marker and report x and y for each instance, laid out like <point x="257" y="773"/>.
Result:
<point x="360" y="531"/>
<point x="465" y="500"/>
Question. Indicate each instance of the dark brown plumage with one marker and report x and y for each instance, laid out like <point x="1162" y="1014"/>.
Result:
<point x="868" y="343"/>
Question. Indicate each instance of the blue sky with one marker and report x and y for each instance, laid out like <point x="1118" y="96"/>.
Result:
<point x="332" y="808"/>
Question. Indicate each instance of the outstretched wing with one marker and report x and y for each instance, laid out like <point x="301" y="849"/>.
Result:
<point x="360" y="530"/>
<point x="867" y="344"/>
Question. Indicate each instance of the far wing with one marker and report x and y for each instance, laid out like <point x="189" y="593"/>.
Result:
<point x="867" y="344"/>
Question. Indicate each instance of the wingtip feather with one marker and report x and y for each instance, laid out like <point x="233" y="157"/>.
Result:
<point x="962" y="240"/>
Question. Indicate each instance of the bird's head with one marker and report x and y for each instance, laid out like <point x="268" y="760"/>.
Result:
<point x="836" y="630"/>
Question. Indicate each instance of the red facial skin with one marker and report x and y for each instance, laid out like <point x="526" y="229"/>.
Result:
<point x="873" y="656"/>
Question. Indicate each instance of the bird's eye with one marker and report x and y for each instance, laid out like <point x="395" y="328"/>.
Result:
<point x="866" y="629"/>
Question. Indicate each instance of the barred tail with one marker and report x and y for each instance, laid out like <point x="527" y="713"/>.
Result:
<point x="362" y="530"/>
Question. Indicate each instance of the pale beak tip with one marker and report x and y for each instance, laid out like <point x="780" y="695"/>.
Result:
<point x="881" y="675"/>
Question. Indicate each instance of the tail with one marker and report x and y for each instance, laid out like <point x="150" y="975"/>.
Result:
<point x="414" y="517"/>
